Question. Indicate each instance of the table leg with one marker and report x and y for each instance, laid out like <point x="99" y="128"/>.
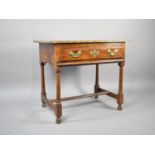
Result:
<point x="120" y="98"/>
<point x="43" y="90"/>
<point x="58" y="106"/>
<point x="96" y="87"/>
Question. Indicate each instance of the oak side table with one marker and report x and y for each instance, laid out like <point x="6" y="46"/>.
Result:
<point x="72" y="53"/>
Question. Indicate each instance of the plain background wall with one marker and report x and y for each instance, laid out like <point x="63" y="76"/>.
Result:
<point x="19" y="57"/>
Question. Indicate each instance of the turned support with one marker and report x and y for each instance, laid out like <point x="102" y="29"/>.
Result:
<point x="96" y="87"/>
<point x="43" y="89"/>
<point x="120" y="97"/>
<point x="58" y="106"/>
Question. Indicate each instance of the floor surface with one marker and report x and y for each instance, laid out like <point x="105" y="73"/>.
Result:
<point x="23" y="114"/>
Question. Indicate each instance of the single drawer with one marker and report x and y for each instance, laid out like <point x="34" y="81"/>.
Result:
<point x="91" y="53"/>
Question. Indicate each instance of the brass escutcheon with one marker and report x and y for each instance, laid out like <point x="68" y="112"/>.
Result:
<point x="94" y="53"/>
<point x="75" y="54"/>
<point x="112" y="52"/>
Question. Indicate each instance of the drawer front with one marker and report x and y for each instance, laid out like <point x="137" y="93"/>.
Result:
<point x="91" y="52"/>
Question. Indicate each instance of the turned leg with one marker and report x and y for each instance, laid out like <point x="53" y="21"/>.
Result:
<point x="96" y="87"/>
<point x="43" y="90"/>
<point x="120" y="96"/>
<point x="58" y="106"/>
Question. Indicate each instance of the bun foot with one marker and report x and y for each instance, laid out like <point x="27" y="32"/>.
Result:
<point x="119" y="108"/>
<point x="58" y="120"/>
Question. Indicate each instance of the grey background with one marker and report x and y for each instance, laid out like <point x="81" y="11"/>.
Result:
<point x="20" y="106"/>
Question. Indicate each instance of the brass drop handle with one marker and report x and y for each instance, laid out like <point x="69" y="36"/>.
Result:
<point x="75" y="54"/>
<point x="112" y="52"/>
<point x="94" y="53"/>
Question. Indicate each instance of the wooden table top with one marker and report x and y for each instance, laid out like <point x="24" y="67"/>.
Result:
<point x="78" y="41"/>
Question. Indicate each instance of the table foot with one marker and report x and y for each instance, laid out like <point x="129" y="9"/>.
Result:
<point x="96" y="97"/>
<point x="43" y="103"/>
<point x="58" y="120"/>
<point x="119" y="107"/>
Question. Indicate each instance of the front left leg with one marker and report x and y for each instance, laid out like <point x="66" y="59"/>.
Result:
<point x="58" y="106"/>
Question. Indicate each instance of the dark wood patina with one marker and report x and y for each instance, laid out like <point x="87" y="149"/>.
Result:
<point x="73" y="53"/>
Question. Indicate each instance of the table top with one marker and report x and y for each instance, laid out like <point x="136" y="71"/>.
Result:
<point x="78" y="41"/>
